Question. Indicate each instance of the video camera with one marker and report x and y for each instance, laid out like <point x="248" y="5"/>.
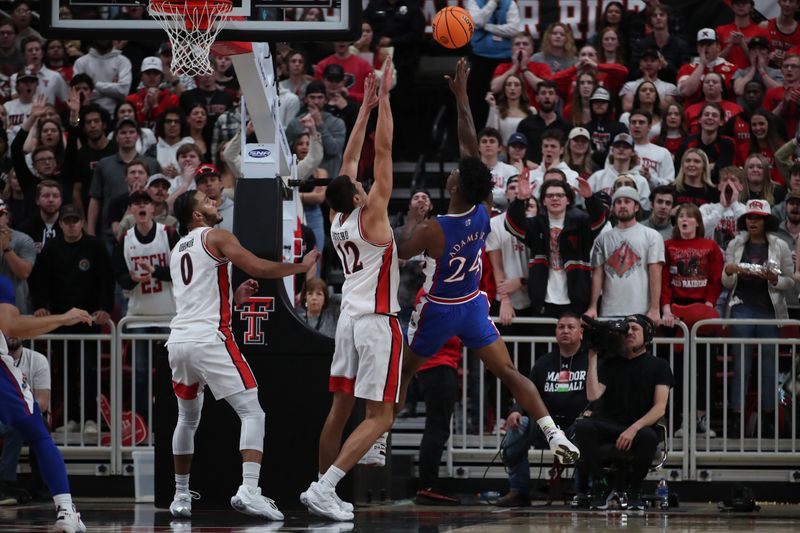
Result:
<point x="607" y="337"/>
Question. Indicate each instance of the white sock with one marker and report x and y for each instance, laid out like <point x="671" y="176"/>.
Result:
<point x="332" y="477"/>
<point x="548" y="427"/>
<point x="63" y="501"/>
<point x="182" y="483"/>
<point x="250" y="474"/>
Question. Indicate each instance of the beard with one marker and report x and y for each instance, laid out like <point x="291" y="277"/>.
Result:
<point x="213" y="219"/>
<point x="13" y="344"/>
<point x="625" y="216"/>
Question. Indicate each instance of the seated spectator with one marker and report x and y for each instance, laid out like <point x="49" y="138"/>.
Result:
<point x="712" y="92"/>
<point x="719" y="218"/>
<point x="18" y="257"/>
<point x="782" y="101"/>
<point x="765" y="139"/>
<point x="552" y="154"/>
<point x="719" y="150"/>
<point x="757" y="69"/>
<point x="111" y="72"/>
<point x="622" y="160"/>
<point x="35" y="367"/>
<point x="51" y="84"/>
<point x="298" y="74"/>
<point x="578" y="110"/>
<point x="635" y="392"/>
<point x="560" y="378"/>
<point x="355" y="69"/>
<point x="578" y="153"/>
<point x="691" y="286"/>
<point x="758" y="184"/>
<point x="662" y="199"/>
<point x="547" y="118"/>
<point x="43" y="224"/>
<point x="172" y="132"/>
<point x="517" y="153"/>
<point x="610" y="76"/>
<point x="141" y="267"/>
<point x="655" y="162"/>
<point x="738" y="126"/>
<point x="509" y="108"/>
<point x="603" y="126"/>
<point x="672" y="48"/>
<point x="736" y="37"/>
<point x="490" y="144"/>
<point x="646" y="98"/>
<point x="560" y="236"/>
<point x="651" y="62"/>
<point x="157" y="188"/>
<point x="522" y="66"/>
<point x="198" y="130"/>
<point x="693" y="184"/>
<point x="673" y="132"/>
<point x="558" y="48"/>
<point x="627" y="263"/>
<point x="509" y="260"/>
<point x="756" y="295"/>
<point x="316" y="308"/>
<point x="151" y="101"/>
<point x="691" y="76"/>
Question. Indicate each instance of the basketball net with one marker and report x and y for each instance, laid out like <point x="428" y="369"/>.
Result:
<point x="192" y="27"/>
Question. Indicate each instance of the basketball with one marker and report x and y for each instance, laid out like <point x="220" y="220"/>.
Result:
<point x="453" y="27"/>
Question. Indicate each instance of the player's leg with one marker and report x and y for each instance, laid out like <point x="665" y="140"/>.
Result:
<point x="330" y="438"/>
<point x="190" y="407"/>
<point x="248" y="498"/>
<point x="411" y="363"/>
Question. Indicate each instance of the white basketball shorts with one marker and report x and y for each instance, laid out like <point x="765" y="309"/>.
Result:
<point x="368" y="357"/>
<point x="220" y="365"/>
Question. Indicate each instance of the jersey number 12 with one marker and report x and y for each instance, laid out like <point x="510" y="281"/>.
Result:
<point x="345" y="250"/>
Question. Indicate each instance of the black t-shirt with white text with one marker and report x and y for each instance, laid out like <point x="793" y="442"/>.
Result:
<point x="630" y="386"/>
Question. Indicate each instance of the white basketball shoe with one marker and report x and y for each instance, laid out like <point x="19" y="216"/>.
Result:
<point x="566" y="452"/>
<point x="69" y="521"/>
<point x="321" y="500"/>
<point x="249" y="501"/>
<point x="376" y="456"/>
<point x="181" y="506"/>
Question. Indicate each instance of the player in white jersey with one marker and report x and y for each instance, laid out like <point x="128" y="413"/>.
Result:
<point x="202" y="350"/>
<point x="369" y="343"/>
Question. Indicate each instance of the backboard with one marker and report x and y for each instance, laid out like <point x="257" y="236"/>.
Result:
<point x="252" y="20"/>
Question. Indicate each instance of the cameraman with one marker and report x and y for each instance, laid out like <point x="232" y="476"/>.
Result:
<point x="635" y="391"/>
<point x="560" y="377"/>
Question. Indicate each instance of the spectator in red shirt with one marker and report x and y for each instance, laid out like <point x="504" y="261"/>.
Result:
<point x="531" y="72"/>
<point x="150" y="102"/>
<point x="355" y="69"/>
<point x="719" y="149"/>
<point x="782" y="101"/>
<point x="783" y="31"/>
<point x="713" y="88"/>
<point x="735" y="37"/>
<point x="765" y="139"/>
<point x="609" y="75"/>
<point x="690" y="76"/>
<point x="673" y="131"/>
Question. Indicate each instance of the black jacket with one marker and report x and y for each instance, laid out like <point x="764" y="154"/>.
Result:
<point x="575" y="246"/>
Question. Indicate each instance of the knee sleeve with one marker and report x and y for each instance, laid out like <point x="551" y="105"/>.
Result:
<point x="252" y="416"/>
<point x="188" y="420"/>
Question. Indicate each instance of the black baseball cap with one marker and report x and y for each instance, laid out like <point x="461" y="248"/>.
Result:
<point x="126" y="122"/>
<point x="315" y="87"/>
<point x="71" y="211"/>
<point x="759" y="41"/>
<point x="333" y="72"/>
<point x="650" y="52"/>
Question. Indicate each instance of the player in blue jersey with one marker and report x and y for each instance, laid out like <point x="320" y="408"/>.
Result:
<point x="453" y="305"/>
<point x="18" y="410"/>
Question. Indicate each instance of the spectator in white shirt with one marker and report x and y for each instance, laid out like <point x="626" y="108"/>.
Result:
<point x="655" y="162"/>
<point x="51" y="83"/>
<point x="490" y="143"/>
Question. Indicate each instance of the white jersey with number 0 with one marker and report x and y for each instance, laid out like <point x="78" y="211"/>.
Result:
<point x="371" y="273"/>
<point x="201" y="284"/>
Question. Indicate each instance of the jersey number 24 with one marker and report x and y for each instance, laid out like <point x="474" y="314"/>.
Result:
<point x="458" y="263"/>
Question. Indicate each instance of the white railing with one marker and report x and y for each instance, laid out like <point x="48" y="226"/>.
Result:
<point x="119" y="354"/>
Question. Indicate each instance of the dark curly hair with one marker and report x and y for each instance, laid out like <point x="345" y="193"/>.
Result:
<point x="475" y="180"/>
<point x="184" y="206"/>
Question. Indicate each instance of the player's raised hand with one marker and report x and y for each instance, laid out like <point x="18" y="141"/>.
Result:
<point x="243" y="293"/>
<point x="386" y="77"/>
<point x="310" y="260"/>
<point x="76" y="316"/>
<point x="458" y="84"/>
<point x="370" y="92"/>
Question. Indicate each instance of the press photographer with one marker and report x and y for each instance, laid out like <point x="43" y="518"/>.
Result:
<point x="634" y="389"/>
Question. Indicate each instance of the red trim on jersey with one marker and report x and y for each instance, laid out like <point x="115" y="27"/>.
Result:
<point x="203" y="242"/>
<point x="452" y="301"/>
<point x="342" y="384"/>
<point x="383" y="289"/>
<point x="241" y="365"/>
<point x="364" y="235"/>
<point x="13" y="379"/>
<point x="185" y="392"/>
<point x="391" y="387"/>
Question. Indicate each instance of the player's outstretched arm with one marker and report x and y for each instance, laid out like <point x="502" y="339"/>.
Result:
<point x="229" y="246"/>
<point x="12" y="324"/>
<point x="467" y="136"/>
<point x="381" y="192"/>
<point x="352" y="152"/>
<point x="416" y="237"/>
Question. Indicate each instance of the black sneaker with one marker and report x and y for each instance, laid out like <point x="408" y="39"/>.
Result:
<point x="431" y="497"/>
<point x="514" y="498"/>
<point x="580" y="501"/>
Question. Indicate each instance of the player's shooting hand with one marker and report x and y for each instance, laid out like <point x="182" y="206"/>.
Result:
<point x="458" y="84"/>
<point x="386" y="77"/>
<point x="71" y="317"/>
<point x="243" y="293"/>
<point x="310" y="260"/>
<point x="370" y="92"/>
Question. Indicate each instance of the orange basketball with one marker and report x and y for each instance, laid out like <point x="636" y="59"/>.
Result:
<point x="453" y="27"/>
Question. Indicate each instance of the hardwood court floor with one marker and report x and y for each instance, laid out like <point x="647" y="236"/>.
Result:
<point x="121" y="516"/>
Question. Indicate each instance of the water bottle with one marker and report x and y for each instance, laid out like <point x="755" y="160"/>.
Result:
<point x="662" y="494"/>
<point x="490" y="496"/>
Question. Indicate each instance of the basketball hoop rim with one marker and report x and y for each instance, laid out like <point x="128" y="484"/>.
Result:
<point x="184" y="7"/>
